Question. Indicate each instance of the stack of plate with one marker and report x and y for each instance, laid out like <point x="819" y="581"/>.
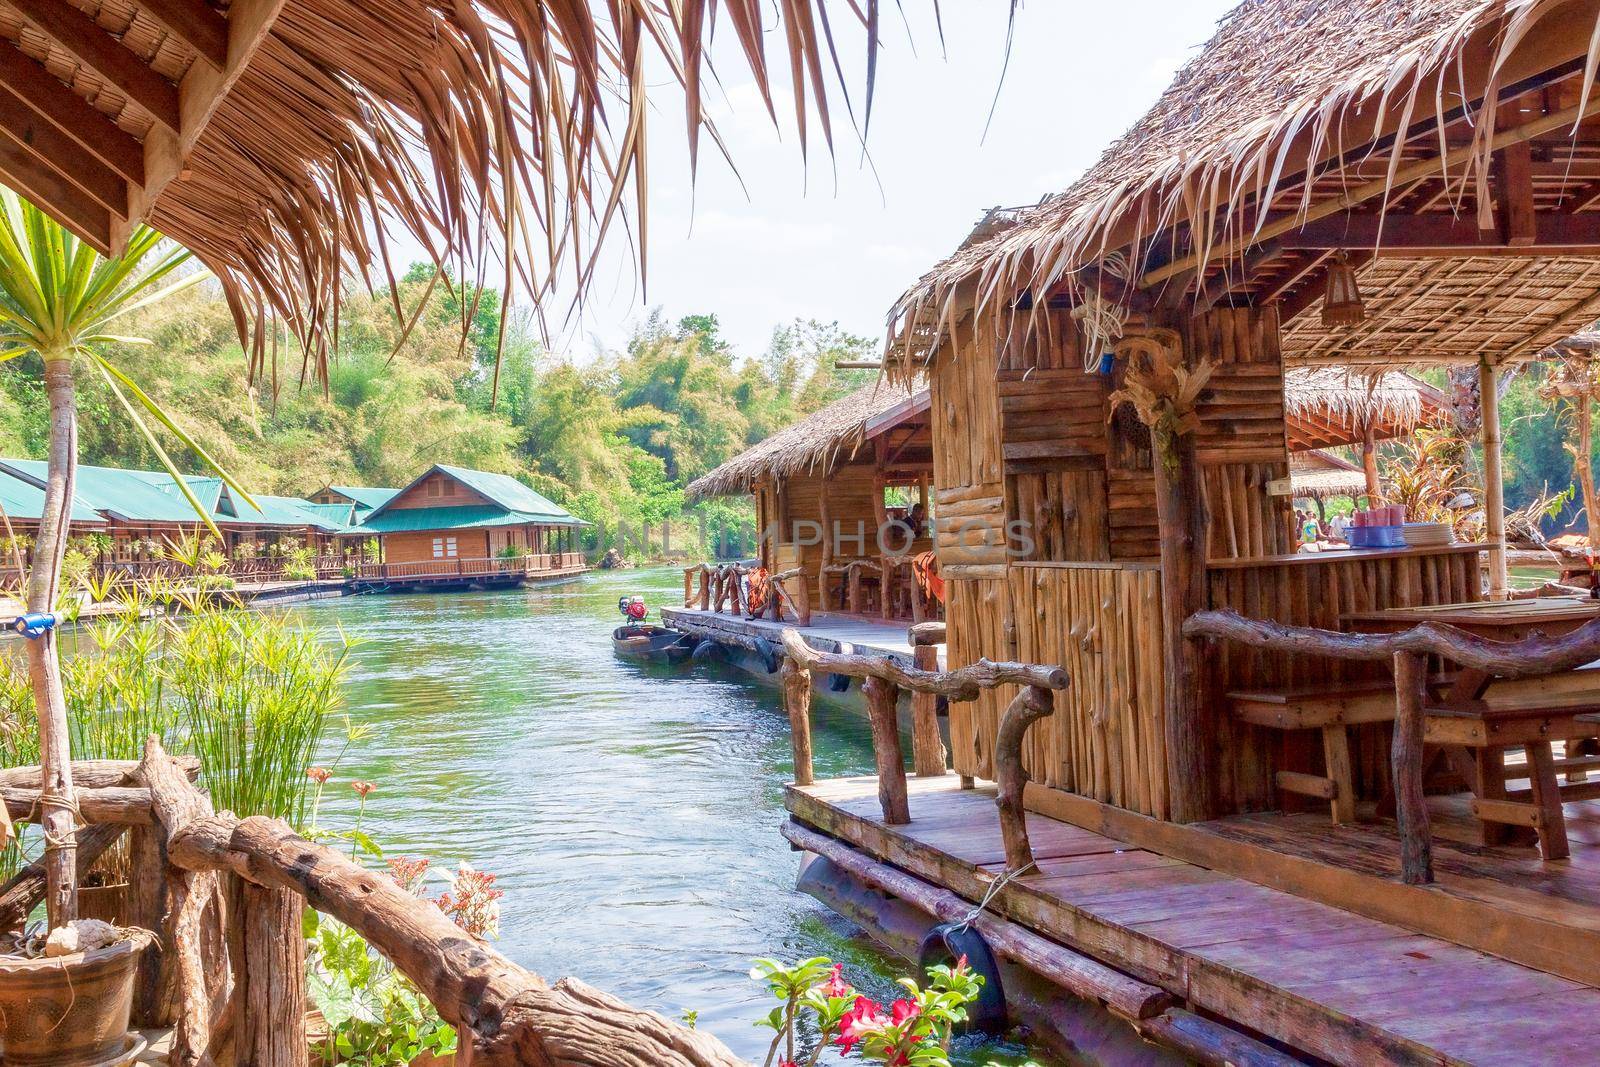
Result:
<point x="1429" y="534"/>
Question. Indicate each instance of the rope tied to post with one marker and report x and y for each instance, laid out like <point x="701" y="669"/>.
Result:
<point x="990" y="893"/>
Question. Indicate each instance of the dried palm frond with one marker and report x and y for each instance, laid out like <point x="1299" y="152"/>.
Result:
<point x="508" y="137"/>
<point x="1159" y="387"/>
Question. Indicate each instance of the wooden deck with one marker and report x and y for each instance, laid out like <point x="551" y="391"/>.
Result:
<point x="828" y="632"/>
<point x="1324" y="980"/>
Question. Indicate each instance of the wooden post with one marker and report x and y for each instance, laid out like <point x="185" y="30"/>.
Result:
<point x="880" y="515"/>
<point x="1494" y="506"/>
<point x="688" y="586"/>
<point x="927" y="747"/>
<point x="1027" y="708"/>
<point x="882" y="703"/>
<point x="1369" y="463"/>
<point x="705" y="587"/>
<point x="1411" y="809"/>
<point x="802" y="599"/>
<point x="155" y="991"/>
<point x="272" y="1028"/>
<point x="797" y="702"/>
<point x="1185" y="535"/>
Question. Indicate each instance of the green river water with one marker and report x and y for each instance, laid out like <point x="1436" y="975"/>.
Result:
<point x="631" y="813"/>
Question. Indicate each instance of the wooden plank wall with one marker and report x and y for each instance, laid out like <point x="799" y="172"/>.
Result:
<point x="1241" y="440"/>
<point x="1103" y="624"/>
<point x="1313" y="591"/>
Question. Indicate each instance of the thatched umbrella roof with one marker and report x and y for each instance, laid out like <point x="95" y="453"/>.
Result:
<point x="1326" y="406"/>
<point x="1318" y="475"/>
<point x="1346" y="113"/>
<point x="818" y="441"/>
<point x="277" y="139"/>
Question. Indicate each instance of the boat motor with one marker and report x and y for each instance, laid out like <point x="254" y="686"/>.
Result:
<point x="632" y="607"/>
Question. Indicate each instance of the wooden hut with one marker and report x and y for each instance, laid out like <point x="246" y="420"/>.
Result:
<point x="1244" y="747"/>
<point x="821" y="491"/>
<point x="454" y="526"/>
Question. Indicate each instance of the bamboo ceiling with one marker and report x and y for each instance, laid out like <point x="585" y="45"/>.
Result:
<point x="1449" y="149"/>
<point x="277" y="138"/>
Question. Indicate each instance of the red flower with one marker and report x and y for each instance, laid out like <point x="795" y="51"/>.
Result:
<point x="362" y="788"/>
<point x="863" y="1017"/>
<point x="961" y="964"/>
<point x="903" y="1011"/>
<point x="318" y="774"/>
<point x="836" y="986"/>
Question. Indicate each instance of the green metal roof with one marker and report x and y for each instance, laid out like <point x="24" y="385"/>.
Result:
<point x="466" y="517"/>
<point x="23" y="500"/>
<point x="513" y="504"/>
<point x="366" y="497"/>
<point x="132" y="496"/>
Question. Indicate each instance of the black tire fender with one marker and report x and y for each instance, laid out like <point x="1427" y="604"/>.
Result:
<point x="769" y="655"/>
<point x="947" y="943"/>
<point x="707" y="651"/>
<point x="838" y="683"/>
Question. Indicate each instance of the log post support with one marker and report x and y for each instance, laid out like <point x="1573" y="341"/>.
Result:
<point x="154" y="991"/>
<point x="1494" y="489"/>
<point x="272" y="1029"/>
<point x="1185" y="537"/>
<point x="1027" y="708"/>
<point x="705" y="587"/>
<point x="883" y="698"/>
<point x="927" y="746"/>
<point x="797" y="701"/>
<point x="1411" y="809"/>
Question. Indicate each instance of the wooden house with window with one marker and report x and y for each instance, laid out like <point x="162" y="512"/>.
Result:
<point x="455" y="526"/>
<point x="1340" y="801"/>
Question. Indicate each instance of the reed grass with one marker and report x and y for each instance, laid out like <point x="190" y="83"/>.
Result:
<point x="254" y="692"/>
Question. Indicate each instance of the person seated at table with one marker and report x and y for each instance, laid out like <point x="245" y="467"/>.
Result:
<point x="917" y="520"/>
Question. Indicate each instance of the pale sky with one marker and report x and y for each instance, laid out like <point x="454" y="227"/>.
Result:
<point x="805" y="245"/>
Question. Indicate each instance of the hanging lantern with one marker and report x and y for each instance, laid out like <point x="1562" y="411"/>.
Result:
<point x="1341" y="303"/>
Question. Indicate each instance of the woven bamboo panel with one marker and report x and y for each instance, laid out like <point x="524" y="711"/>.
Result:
<point x="977" y="612"/>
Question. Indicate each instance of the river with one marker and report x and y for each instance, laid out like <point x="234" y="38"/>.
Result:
<point x="630" y="813"/>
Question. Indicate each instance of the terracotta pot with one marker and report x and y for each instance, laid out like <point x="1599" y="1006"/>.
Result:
<point x="71" y="1011"/>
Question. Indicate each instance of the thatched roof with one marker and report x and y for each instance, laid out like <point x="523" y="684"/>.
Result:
<point x="1309" y="126"/>
<point x="1318" y="475"/>
<point x="816" y="442"/>
<point x="1327" y="406"/>
<point x="278" y="138"/>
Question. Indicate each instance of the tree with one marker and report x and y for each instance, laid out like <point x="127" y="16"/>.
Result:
<point x="59" y="300"/>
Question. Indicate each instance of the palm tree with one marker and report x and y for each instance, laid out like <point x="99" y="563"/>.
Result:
<point x="60" y="298"/>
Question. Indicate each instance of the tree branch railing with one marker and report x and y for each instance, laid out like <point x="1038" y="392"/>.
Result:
<point x="724" y="589"/>
<point x="1406" y="651"/>
<point x="227" y="895"/>
<point x="882" y="679"/>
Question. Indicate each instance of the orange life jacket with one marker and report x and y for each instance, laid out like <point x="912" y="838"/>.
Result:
<point x="757" y="591"/>
<point x="925" y="569"/>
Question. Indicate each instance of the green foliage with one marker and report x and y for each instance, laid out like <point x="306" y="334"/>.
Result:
<point x="375" y="1017"/>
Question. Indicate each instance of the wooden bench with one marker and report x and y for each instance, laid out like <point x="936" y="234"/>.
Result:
<point x="1487" y="732"/>
<point x="1331" y="709"/>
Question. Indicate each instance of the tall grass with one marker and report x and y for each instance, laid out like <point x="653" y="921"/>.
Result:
<point x="254" y="692"/>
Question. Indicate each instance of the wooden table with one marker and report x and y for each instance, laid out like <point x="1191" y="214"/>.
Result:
<point x="1474" y="735"/>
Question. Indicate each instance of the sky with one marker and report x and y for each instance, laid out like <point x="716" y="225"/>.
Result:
<point x="835" y="239"/>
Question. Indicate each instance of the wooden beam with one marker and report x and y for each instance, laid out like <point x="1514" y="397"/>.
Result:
<point x="53" y="194"/>
<point x="60" y="153"/>
<point x="200" y="94"/>
<point x="1409" y="234"/>
<point x="1514" y="195"/>
<point x="1277" y="289"/>
<point x="52" y="99"/>
<point x="195" y="23"/>
<point x="104" y="54"/>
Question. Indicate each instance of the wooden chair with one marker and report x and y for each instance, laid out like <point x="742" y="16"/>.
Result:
<point x="1487" y="732"/>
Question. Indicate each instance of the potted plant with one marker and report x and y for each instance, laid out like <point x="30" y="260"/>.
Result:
<point x="66" y="998"/>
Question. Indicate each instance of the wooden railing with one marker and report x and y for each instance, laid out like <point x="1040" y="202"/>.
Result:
<point x="489" y="567"/>
<point x="227" y="894"/>
<point x="725" y="587"/>
<point x="883" y="678"/>
<point x="1407" y="653"/>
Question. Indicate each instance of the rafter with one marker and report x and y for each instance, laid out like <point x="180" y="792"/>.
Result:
<point x="105" y="55"/>
<point x="29" y="82"/>
<point x="195" y="23"/>
<point x="203" y="90"/>
<point x="60" y="153"/>
<point x="55" y="196"/>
